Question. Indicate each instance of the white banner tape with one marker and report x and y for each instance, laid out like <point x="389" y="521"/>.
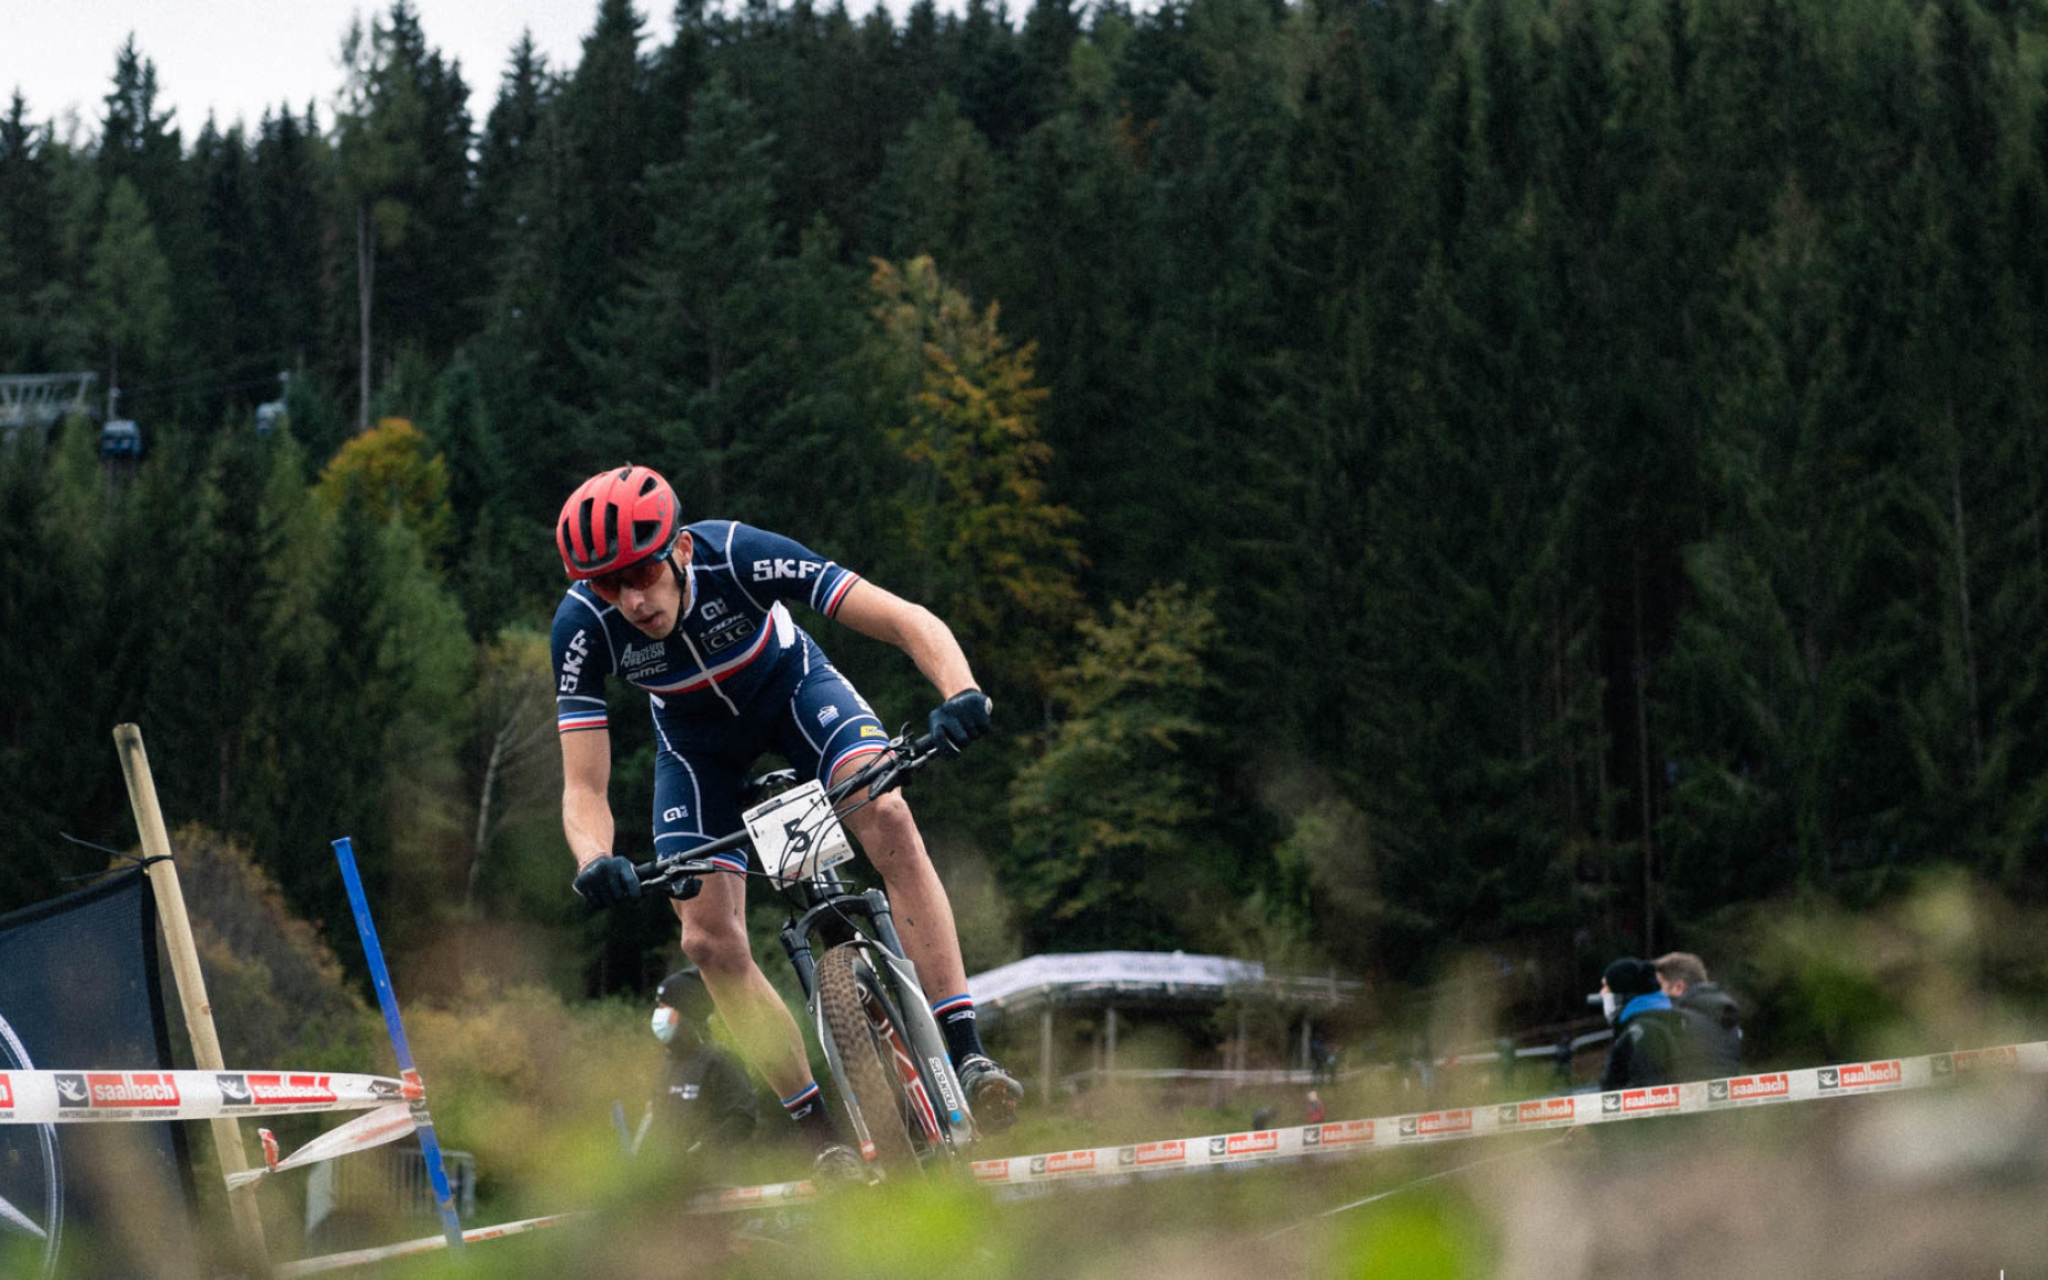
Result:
<point x="63" y="1097"/>
<point x="1345" y="1137"/>
<point x="425" y="1244"/>
<point x="387" y="1123"/>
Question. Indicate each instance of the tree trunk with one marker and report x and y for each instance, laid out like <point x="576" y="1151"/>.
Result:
<point x="1962" y="553"/>
<point x="1642" y="673"/>
<point x="483" y="814"/>
<point x="366" y="272"/>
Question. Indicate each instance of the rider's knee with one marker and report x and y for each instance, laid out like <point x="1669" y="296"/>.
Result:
<point x="721" y="947"/>
<point x="886" y="822"/>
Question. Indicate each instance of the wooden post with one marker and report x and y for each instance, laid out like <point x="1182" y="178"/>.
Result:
<point x="170" y="901"/>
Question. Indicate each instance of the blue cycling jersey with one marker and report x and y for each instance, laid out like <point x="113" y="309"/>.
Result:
<point x="734" y="640"/>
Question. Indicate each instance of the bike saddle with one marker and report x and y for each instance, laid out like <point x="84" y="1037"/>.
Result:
<point x="767" y="785"/>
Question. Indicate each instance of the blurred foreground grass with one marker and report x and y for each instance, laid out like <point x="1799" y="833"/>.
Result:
<point x="1946" y="1183"/>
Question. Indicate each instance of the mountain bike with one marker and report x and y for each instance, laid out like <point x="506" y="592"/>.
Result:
<point x="881" y="1042"/>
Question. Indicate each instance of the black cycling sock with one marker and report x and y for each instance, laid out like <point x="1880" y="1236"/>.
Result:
<point x="956" y="1020"/>
<point x="807" y="1107"/>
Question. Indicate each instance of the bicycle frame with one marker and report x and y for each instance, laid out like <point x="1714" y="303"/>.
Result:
<point x="826" y="910"/>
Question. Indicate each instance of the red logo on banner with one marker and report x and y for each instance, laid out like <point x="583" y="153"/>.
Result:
<point x="132" y="1090"/>
<point x="1161" y="1153"/>
<point x="1772" y="1086"/>
<point x="276" y="1090"/>
<point x="1438" y="1123"/>
<point x="1245" y="1144"/>
<point x="740" y="1195"/>
<point x="6" y="1092"/>
<point x="1347" y="1131"/>
<point x="1070" y="1162"/>
<point x="1637" y="1101"/>
<point x="991" y="1170"/>
<point x="1865" y="1075"/>
<point x="2004" y="1058"/>
<point x="1546" y="1109"/>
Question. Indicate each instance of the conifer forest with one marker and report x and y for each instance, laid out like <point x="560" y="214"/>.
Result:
<point x="1518" y="478"/>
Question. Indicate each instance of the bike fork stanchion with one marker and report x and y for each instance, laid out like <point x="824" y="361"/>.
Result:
<point x="423" y="1124"/>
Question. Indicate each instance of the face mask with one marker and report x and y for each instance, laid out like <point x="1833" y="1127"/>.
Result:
<point x="1606" y="1005"/>
<point x="664" y="1024"/>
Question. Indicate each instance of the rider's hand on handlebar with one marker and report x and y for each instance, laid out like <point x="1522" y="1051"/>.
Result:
<point x="959" y="720"/>
<point x="607" y="881"/>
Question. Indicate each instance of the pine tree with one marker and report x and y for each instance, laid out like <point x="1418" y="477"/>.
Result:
<point x="131" y="282"/>
<point x="688" y="367"/>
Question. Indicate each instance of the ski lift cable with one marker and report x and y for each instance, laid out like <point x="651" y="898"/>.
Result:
<point x="204" y="375"/>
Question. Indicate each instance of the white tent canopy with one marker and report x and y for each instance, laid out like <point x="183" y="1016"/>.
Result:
<point x="1140" y="978"/>
<point x="1148" y="981"/>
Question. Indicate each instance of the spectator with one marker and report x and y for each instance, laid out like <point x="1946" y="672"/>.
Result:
<point x="1648" y="1033"/>
<point x="1712" y="1020"/>
<point x="707" y="1099"/>
<point x="1322" y="1060"/>
<point x="1315" y="1107"/>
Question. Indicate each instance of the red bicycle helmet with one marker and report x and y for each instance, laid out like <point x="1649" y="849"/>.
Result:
<point x="614" y="519"/>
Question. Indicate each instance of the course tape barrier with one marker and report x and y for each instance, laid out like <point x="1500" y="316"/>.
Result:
<point x="64" y="1097"/>
<point x="387" y="1123"/>
<point x="425" y="1244"/>
<point x="1347" y="1137"/>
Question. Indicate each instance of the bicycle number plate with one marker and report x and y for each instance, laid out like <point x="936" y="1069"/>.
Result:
<point x="797" y="834"/>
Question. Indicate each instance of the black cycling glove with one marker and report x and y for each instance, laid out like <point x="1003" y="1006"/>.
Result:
<point x="959" y="720"/>
<point x="607" y="881"/>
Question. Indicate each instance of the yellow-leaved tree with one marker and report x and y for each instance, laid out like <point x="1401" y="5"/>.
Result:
<point x="394" y="471"/>
<point x="996" y="558"/>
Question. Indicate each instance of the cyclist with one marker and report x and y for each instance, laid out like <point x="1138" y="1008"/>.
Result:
<point x="698" y="617"/>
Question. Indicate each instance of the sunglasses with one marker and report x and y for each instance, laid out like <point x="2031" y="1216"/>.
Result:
<point x="638" y="576"/>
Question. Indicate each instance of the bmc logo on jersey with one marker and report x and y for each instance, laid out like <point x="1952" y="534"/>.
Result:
<point x="802" y="570"/>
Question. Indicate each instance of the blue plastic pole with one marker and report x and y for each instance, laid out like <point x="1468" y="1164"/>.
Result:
<point x="423" y="1124"/>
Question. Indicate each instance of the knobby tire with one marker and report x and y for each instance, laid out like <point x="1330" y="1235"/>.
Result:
<point x="868" y="1075"/>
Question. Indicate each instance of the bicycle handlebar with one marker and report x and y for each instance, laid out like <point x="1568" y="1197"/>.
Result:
<point x="903" y="755"/>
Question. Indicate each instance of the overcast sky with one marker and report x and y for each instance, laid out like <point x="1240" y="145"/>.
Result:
<point x="234" y="58"/>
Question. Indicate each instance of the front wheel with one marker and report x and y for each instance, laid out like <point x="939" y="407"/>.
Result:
<point x="880" y="1077"/>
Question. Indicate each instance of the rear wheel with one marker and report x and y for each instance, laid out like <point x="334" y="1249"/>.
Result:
<point x="849" y="999"/>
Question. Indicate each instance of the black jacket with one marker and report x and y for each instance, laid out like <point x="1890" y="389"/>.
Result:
<point x="1715" y="1027"/>
<point x="707" y="1098"/>
<point x="1648" y="1049"/>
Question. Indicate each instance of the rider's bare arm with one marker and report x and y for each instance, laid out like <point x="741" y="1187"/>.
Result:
<point x="916" y="630"/>
<point x="586" y="813"/>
